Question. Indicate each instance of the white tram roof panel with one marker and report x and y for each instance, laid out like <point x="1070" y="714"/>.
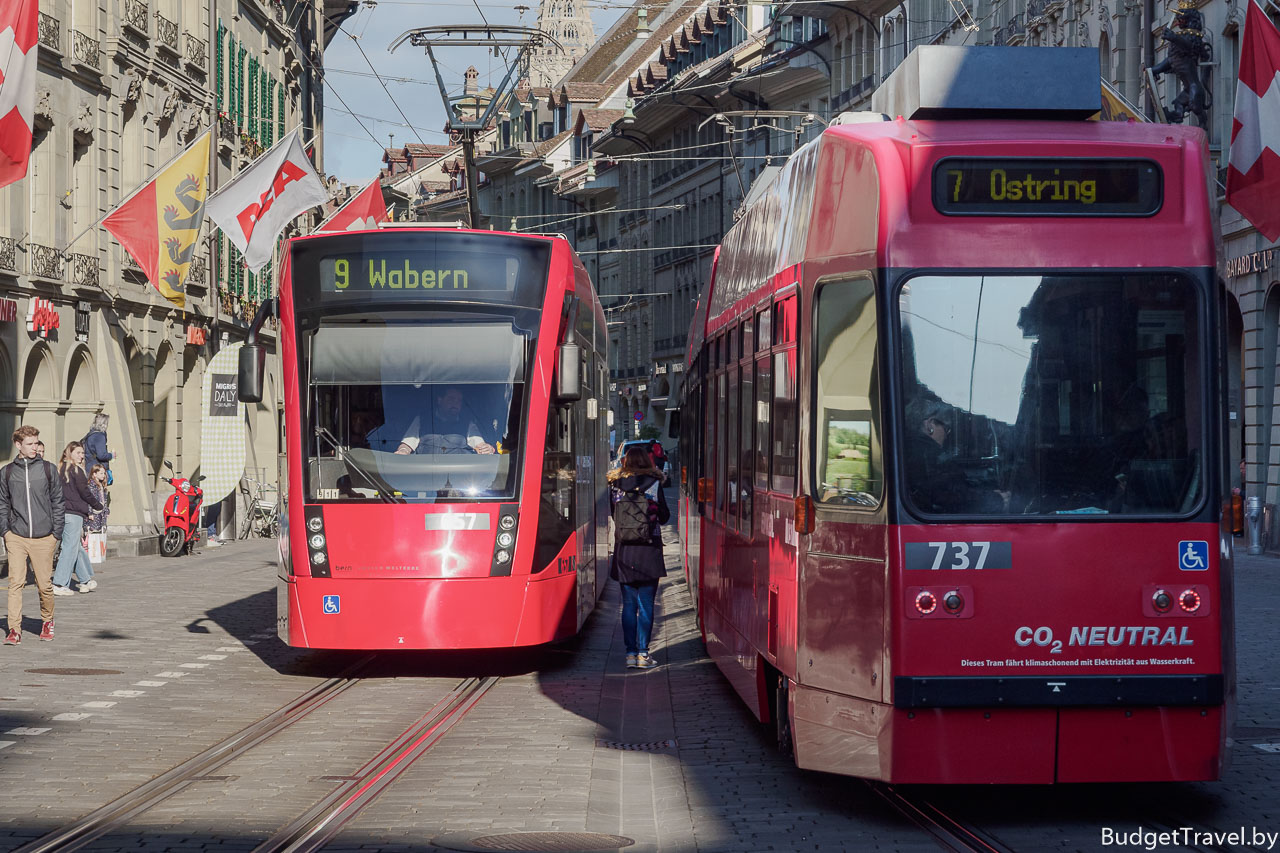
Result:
<point x="987" y="82"/>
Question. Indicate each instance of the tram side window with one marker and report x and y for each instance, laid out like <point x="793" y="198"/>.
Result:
<point x="850" y="467"/>
<point x="731" y="444"/>
<point x="747" y="443"/>
<point x="722" y="396"/>
<point x="784" y="321"/>
<point x="784" y="421"/>
<point x="764" y="333"/>
<point x="763" y="392"/>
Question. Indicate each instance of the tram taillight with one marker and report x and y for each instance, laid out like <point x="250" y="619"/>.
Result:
<point x="926" y="602"/>
<point x="1189" y="601"/>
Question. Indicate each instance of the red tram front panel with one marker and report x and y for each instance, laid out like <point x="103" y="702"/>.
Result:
<point x="381" y="548"/>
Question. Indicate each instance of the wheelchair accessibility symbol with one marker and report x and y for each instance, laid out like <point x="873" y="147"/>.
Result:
<point x="1193" y="555"/>
<point x="331" y="604"/>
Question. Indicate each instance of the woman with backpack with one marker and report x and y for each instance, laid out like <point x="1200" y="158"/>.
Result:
<point x="639" y="511"/>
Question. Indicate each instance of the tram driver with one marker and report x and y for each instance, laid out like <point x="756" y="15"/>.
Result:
<point x="936" y="479"/>
<point x="448" y="430"/>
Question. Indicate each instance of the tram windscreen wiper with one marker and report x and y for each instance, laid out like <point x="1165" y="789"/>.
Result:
<point x="381" y="489"/>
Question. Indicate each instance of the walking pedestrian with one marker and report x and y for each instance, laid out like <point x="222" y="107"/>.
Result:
<point x="80" y="504"/>
<point x="639" y="511"/>
<point x="31" y="520"/>
<point x="97" y="522"/>
<point x="95" y="445"/>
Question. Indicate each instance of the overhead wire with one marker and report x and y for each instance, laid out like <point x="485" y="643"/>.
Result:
<point x="356" y="41"/>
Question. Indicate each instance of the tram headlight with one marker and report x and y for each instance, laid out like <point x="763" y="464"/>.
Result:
<point x="1161" y="601"/>
<point x="926" y="602"/>
<point x="502" y="556"/>
<point x="319" y="558"/>
<point x="315" y="524"/>
<point x="507" y="522"/>
<point x="1189" y="601"/>
<point x="317" y="541"/>
<point x="505" y="539"/>
<point x="953" y="602"/>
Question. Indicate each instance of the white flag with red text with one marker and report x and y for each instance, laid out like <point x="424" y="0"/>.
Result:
<point x="254" y="208"/>
<point x="1253" y="167"/>
<point x="18" y="40"/>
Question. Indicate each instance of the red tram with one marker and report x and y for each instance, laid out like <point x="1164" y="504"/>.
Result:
<point x="952" y="444"/>
<point x="442" y="432"/>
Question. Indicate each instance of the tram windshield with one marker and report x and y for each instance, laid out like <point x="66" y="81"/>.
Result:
<point x="1051" y="395"/>
<point x="423" y="412"/>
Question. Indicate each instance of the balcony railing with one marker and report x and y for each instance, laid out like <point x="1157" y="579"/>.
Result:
<point x="195" y="275"/>
<point x="8" y="254"/>
<point x="135" y="15"/>
<point x="47" y="262"/>
<point x="86" y="51"/>
<point x="195" y="51"/>
<point x="50" y="32"/>
<point x="1035" y="10"/>
<point x="167" y="32"/>
<point x="84" y="270"/>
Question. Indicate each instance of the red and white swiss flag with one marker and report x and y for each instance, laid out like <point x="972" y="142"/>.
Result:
<point x="18" y="38"/>
<point x="1253" y="168"/>
<point x="362" y="213"/>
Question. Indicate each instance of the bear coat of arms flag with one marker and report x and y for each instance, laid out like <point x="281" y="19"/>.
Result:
<point x="18" y="50"/>
<point x="1253" y="167"/>
<point x="255" y="207"/>
<point x="160" y="223"/>
<point x="361" y="213"/>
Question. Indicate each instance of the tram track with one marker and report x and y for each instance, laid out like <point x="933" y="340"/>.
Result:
<point x="327" y="816"/>
<point x="949" y="832"/>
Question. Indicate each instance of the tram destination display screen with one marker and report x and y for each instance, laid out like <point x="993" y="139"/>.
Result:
<point x="421" y="270"/>
<point x="991" y="186"/>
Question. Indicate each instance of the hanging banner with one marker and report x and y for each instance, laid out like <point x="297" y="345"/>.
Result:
<point x="222" y="432"/>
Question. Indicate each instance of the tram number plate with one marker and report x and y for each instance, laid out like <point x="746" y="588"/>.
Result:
<point x="958" y="555"/>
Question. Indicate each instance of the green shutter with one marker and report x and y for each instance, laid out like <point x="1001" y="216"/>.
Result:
<point x="253" y="97"/>
<point x="264" y="110"/>
<point x="269" y="124"/>
<point x="280" y="117"/>
<point x="240" y="114"/>
<point x="219" y="65"/>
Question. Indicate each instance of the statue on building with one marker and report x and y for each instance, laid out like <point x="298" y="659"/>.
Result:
<point x="1187" y="49"/>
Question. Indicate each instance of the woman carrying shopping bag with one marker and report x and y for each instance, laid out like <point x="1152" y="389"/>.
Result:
<point x="639" y="511"/>
<point x="97" y="521"/>
<point x="80" y="503"/>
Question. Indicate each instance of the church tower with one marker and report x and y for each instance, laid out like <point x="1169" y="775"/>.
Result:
<point x="568" y="22"/>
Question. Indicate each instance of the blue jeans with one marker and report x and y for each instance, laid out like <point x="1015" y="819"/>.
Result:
<point x="637" y="615"/>
<point x="73" y="555"/>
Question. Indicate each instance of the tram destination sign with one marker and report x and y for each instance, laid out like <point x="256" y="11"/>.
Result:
<point x="995" y="186"/>
<point x="426" y="275"/>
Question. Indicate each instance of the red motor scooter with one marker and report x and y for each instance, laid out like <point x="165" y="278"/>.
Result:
<point x="181" y="514"/>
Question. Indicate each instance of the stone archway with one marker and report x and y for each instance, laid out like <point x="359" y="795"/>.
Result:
<point x="8" y="394"/>
<point x="82" y="393"/>
<point x="40" y="394"/>
<point x="160" y="442"/>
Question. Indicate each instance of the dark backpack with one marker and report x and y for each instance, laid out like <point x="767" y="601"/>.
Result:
<point x="631" y="519"/>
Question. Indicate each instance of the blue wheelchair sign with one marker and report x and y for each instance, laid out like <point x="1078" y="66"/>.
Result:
<point x="1193" y="555"/>
<point x="332" y="604"/>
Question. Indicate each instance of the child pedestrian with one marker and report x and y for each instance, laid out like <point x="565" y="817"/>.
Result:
<point x="97" y="522"/>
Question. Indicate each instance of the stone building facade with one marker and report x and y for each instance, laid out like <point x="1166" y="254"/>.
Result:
<point x="123" y="87"/>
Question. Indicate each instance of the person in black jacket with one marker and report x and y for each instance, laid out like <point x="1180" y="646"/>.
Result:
<point x="637" y="565"/>
<point x="80" y="503"/>
<point x="31" y="521"/>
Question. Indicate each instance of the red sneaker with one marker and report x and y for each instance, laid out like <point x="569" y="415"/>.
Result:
<point x="12" y="638"/>
<point x="46" y="630"/>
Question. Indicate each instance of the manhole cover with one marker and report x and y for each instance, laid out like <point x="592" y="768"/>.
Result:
<point x="71" y="670"/>
<point x="535" y="842"/>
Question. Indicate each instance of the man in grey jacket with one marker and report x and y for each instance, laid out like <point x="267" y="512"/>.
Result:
<point x="31" y="520"/>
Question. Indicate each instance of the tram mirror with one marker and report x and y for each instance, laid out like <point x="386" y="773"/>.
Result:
<point x="569" y="374"/>
<point x="253" y="362"/>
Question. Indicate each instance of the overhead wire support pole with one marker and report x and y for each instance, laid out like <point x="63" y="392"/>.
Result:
<point x="525" y="38"/>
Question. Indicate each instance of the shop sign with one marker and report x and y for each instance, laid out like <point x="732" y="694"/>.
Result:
<point x="196" y="336"/>
<point x="8" y="311"/>
<point x="660" y="370"/>
<point x="82" y="320"/>
<point x="42" y="317"/>
<point x="1250" y="263"/>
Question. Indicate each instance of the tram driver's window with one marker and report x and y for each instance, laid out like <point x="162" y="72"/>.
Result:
<point x="849" y="462"/>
